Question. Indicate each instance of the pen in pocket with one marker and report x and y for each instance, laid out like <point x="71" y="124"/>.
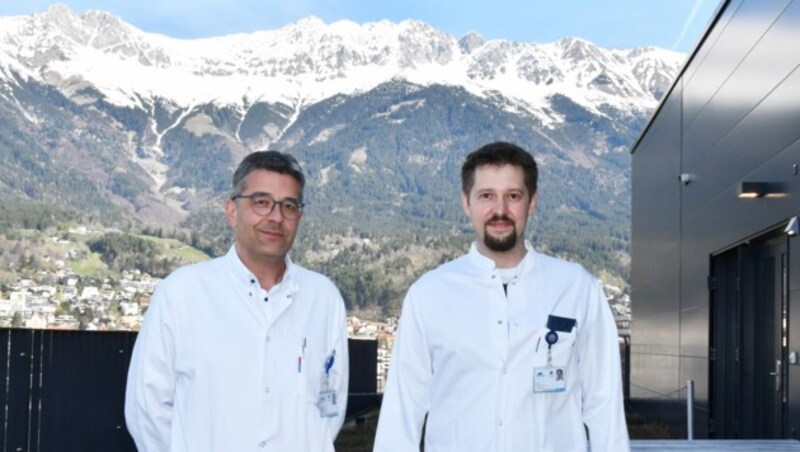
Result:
<point x="302" y="355"/>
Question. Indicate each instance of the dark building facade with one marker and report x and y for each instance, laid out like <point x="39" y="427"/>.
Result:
<point x="715" y="274"/>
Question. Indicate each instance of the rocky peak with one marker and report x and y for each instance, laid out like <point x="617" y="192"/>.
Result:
<point x="470" y="42"/>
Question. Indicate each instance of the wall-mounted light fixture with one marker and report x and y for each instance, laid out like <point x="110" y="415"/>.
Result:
<point x="793" y="228"/>
<point x="687" y="178"/>
<point x="760" y="190"/>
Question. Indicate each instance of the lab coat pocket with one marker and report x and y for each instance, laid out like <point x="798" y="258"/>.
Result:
<point x="560" y="350"/>
<point x="317" y="381"/>
<point x="310" y="371"/>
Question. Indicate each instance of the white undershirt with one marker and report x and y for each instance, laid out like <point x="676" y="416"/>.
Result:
<point x="508" y="275"/>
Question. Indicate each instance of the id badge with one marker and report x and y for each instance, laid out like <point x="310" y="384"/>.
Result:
<point x="549" y="379"/>
<point x="327" y="403"/>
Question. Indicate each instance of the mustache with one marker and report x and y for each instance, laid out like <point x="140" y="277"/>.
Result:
<point x="498" y="218"/>
<point x="272" y="228"/>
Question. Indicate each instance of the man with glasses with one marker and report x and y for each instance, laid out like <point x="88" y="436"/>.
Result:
<point x="247" y="351"/>
<point x="504" y="349"/>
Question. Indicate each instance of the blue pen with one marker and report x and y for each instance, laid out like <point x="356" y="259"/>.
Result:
<point x="329" y="362"/>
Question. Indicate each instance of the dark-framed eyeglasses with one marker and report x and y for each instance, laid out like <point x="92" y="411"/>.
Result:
<point x="263" y="204"/>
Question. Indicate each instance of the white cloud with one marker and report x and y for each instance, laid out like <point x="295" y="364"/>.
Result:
<point x="691" y="21"/>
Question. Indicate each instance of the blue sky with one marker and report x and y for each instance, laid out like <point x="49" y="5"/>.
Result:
<point x="673" y="24"/>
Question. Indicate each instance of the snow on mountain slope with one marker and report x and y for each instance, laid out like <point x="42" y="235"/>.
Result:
<point x="309" y="60"/>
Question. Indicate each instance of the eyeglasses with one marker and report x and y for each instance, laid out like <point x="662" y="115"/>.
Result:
<point x="263" y="204"/>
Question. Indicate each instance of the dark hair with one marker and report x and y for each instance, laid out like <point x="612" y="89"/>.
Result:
<point x="497" y="154"/>
<point x="270" y="161"/>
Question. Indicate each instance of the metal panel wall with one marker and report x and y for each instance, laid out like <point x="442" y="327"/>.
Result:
<point x="656" y="259"/>
<point x="740" y="110"/>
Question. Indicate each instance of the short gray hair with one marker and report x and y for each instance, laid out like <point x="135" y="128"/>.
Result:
<point x="278" y="162"/>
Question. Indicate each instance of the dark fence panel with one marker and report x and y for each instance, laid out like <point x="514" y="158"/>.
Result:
<point x="625" y="360"/>
<point x="5" y="340"/>
<point x="83" y="390"/>
<point x="363" y="384"/>
<point x="18" y="433"/>
<point x="65" y="390"/>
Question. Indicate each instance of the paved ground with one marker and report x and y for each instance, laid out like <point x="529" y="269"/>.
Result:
<point x="714" y="445"/>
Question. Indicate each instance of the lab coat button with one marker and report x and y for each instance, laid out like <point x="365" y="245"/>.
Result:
<point x="499" y="322"/>
<point x="266" y="390"/>
<point x="262" y="444"/>
<point x="268" y="338"/>
<point x="505" y="371"/>
<point x="500" y="423"/>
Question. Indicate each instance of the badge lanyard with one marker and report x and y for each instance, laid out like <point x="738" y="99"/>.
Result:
<point x="551" y="338"/>
<point x="549" y="379"/>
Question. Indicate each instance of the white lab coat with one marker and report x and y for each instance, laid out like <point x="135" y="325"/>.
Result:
<point x="465" y="355"/>
<point x="215" y="367"/>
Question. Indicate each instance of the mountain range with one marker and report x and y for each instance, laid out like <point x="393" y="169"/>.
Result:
<point x="102" y="122"/>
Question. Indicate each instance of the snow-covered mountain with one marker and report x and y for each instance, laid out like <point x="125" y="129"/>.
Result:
<point x="103" y="123"/>
<point x="308" y="61"/>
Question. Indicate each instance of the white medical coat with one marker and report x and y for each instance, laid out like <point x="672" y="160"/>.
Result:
<point x="465" y="355"/>
<point x="217" y="368"/>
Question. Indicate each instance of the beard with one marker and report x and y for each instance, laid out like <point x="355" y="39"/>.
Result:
<point x="500" y="244"/>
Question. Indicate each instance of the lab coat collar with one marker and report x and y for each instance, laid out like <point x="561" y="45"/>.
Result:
<point x="245" y="276"/>
<point x="487" y="266"/>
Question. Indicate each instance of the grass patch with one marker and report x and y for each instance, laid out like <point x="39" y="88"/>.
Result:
<point x="90" y="266"/>
<point x="641" y="428"/>
<point x="189" y="254"/>
<point x="358" y="435"/>
<point x="171" y="248"/>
